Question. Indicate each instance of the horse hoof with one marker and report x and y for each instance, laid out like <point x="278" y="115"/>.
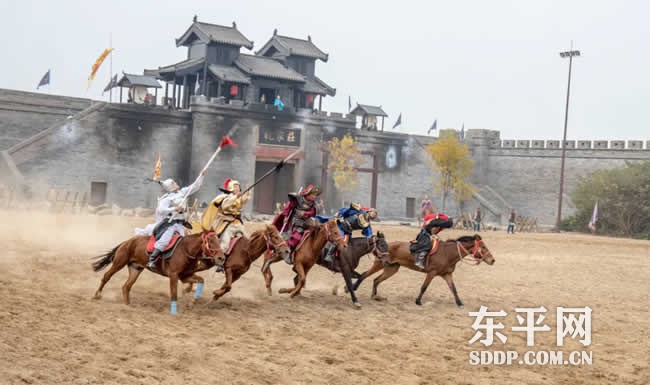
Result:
<point x="269" y="292"/>
<point x="461" y="306"/>
<point x="357" y="305"/>
<point x="97" y="296"/>
<point x="418" y="302"/>
<point x="335" y="290"/>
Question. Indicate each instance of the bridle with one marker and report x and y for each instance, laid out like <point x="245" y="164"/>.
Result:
<point x="270" y="246"/>
<point x="380" y="254"/>
<point x="207" y="250"/>
<point x="476" y="253"/>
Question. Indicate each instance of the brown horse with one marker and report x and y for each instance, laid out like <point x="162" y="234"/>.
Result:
<point x="306" y="255"/>
<point x="263" y="241"/>
<point x="246" y="251"/>
<point x="442" y="263"/>
<point x="181" y="265"/>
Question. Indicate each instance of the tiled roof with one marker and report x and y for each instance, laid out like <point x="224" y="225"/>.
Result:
<point x="317" y="86"/>
<point x="185" y="64"/>
<point x="214" y="33"/>
<point x="129" y="80"/>
<point x="301" y="47"/>
<point x="289" y="46"/>
<point x="267" y="68"/>
<point x="229" y="74"/>
<point x="369" y="110"/>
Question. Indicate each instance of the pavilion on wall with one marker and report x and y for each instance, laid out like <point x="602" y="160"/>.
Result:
<point x="216" y="68"/>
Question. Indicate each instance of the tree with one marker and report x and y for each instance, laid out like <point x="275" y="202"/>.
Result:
<point x="453" y="163"/>
<point x="345" y="158"/>
<point x="623" y="196"/>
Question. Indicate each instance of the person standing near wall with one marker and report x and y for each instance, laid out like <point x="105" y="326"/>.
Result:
<point x="511" y="222"/>
<point x="477" y="219"/>
<point x="426" y="207"/>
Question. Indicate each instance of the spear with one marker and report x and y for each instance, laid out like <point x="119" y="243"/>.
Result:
<point x="225" y="141"/>
<point x="271" y="171"/>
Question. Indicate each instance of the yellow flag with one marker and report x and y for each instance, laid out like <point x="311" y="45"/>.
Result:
<point x="97" y="64"/>
<point x="157" y="168"/>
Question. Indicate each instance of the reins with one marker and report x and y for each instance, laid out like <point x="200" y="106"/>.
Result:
<point x="270" y="246"/>
<point x="206" y="249"/>
<point x="477" y="254"/>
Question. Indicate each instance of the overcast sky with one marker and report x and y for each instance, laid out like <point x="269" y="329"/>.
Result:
<point x="487" y="64"/>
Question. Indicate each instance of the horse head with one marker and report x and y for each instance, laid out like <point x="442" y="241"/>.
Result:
<point x="475" y="246"/>
<point x="275" y="242"/>
<point x="381" y="246"/>
<point x="211" y="246"/>
<point x="334" y="234"/>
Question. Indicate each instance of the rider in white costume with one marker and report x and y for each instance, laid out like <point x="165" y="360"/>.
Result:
<point x="170" y="214"/>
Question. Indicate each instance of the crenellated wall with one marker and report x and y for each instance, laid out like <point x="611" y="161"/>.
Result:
<point x="525" y="173"/>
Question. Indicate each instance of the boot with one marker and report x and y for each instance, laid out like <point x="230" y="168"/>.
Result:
<point x="419" y="260"/>
<point x="329" y="255"/>
<point x="289" y="258"/>
<point x="152" y="259"/>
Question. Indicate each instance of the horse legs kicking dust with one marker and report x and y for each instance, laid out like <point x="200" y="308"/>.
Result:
<point x="389" y="271"/>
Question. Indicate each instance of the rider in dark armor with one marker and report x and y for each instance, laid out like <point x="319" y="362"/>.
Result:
<point x="293" y="220"/>
<point x="433" y="224"/>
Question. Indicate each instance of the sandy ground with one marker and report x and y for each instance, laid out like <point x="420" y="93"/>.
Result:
<point x="52" y="332"/>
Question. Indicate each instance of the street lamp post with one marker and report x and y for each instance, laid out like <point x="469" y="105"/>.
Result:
<point x="570" y="55"/>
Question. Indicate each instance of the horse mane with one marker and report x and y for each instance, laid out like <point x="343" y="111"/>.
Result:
<point x="465" y="238"/>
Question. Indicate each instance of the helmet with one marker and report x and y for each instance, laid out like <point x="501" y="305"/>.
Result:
<point x="311" y="189"/>
<point x="229" y="185"/>
<point x="355" y="206"/>
<point x="169" y="185"/>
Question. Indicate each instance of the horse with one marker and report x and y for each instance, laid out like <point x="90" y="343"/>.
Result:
<point x="181" y="265"/>
<point x="347" y="262"/>
<point x="306" y="254"/>
<point x="442" y="263"/>
<point x="246" y="251"/>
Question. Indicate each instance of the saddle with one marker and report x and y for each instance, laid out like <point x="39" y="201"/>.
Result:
<point x="168" y="251"/>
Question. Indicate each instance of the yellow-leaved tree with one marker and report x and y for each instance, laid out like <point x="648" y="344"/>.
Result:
<point x="452" y="161"/>
<point x="344" y="159"/>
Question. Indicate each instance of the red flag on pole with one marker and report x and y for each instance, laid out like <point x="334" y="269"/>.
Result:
<point x="226" y="141"/>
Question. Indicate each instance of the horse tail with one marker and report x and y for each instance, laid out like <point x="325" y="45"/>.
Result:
<point x="105" y="259"/>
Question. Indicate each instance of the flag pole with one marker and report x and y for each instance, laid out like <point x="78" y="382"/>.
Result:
<point x="222" y="144"/>
<point x="110" y="75"/>
<point x="271" y="171"/>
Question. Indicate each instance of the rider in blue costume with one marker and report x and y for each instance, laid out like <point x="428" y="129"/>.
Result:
<point x="349" y="219"/>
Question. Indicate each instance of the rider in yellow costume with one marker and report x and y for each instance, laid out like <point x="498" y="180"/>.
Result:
<point x="223" y="215"/>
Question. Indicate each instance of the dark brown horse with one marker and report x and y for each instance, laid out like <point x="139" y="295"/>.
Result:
<point x="181" y="265"/>
<point x="442" y="263"/>
<point x="306" y="255"/>
<point x="347" y="262"/>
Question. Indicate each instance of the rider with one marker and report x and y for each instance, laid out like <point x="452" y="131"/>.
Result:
<point x="433" y="224"/>
<point x="224" y="213"/>
<point x="349" y="219"/>
<point x="170" y="213"/>
<point x="291" y="222"/>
